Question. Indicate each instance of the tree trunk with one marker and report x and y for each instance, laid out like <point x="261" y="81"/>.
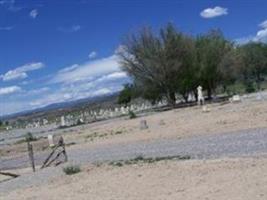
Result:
<point x="185" y="96"/>
<point x="196" y="96"/>
<point x="209" y="93"/>
<point x="171" y="99"/>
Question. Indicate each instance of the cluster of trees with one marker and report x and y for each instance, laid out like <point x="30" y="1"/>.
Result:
<point x="4" y="123"/>
<point x="170" y="62"/>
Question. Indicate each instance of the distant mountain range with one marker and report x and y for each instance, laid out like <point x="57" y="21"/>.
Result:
<point x="66" y="106"/>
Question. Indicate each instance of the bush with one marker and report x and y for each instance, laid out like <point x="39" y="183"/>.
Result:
<point x="73" y="169"/>
<point x="29" y="137"/>
<point x="132" y="115"/>
<point x="250" y="87"/>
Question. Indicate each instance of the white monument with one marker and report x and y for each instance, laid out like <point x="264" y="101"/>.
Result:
<point x="51" y="140"/>
<point x="190" y="97"/>
<point x="62" y="121"/>
<point x="200" y="98"/>
<point x="236" y="99"/>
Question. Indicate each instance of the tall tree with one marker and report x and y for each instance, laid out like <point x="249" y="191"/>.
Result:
<point x="126" y="95"/>
<point x="230" y="68"/>
<point x="155" y="62"/>
<point x="211" y="49"/>
<point x="255" y="63"/>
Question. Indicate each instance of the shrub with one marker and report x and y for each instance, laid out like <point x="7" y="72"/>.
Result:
<point x="29" y="137"/>
<point x="73" y="169"/>
<point x="132" y="115"/>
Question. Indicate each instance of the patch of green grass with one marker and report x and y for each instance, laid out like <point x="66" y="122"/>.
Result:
<point x="95" y="135"/>
<point x="72" y="169"/>
<point x="141" y="159"/>
<point x="70" y="144"/>
<point x="27" y="138"/>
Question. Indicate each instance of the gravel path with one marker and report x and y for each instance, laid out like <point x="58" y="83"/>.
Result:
<point x="251" y="142"/>
<point x="241" y="143"/>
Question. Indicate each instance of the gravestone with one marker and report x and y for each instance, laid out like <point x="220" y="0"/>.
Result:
<point x="51" y="140"/>
<point x="236" y="99"/>
<point x="191" y="97"/>
<point x="143" y="125"/>
<point x="161" y="122"/>
<point x="259" y="96"/>
<point x="205" y="109"/>
<point x="62" y="121"/>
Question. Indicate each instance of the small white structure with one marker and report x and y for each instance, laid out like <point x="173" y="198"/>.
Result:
<point x="200" y="98"/>
<point x="205" y="109"/>
<point x="191" y="97"/>
<point x="51" y="140"/>
<point x="235" y="99"/>
<point x="62" y="121"/>
<point x="259" y="96"/>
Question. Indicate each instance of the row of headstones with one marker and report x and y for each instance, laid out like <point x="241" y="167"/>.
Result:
<point x="89" y="116"/>
<point x="36" y="124"/>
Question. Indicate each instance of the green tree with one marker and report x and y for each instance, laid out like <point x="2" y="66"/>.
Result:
<point x="255" y="63"/>
<point x="126" y="95"/>
<point x="156" y="62"/>
<point x="230" y="68"/>
<point x="211" y="49"/>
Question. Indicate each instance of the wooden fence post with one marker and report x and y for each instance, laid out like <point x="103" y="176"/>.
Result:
<point x="31" y="156"/>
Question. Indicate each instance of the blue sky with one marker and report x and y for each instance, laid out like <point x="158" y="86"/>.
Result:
<point x="55" y="51"/>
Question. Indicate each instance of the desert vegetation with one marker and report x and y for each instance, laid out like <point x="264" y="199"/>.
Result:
<point x="71" y="169"/>
<point x="171" y="62"/>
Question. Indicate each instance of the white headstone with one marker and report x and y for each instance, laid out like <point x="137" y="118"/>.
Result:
<point x="143" y="125"/>
<point x="191" y="97"/>
<point x="259" y="96"/>
<point x="51" y="140"/>
<point x="205" y="109"/>
<point x="62" y="121"/>
<point x="236" y="99"/>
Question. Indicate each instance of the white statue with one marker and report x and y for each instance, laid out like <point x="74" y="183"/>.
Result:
<point x="200" y="97"/>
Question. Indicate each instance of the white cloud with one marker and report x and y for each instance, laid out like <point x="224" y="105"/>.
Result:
<point x="244" y="40"/>
<point x="15" y="106"/>
<point x="214" y="12"/>
<point x="121" y="49"/>
<point x="71" y="94"/>
<point x="263" y="24"/>
<point x="113" y="76"/>
<point x="9" y="90"/>
<point x="72" y="29"/>
<point x="92" y="55"/>
<point x="87" y="71"/>
<point x="34" y="13"/>
<point x="10" y="5"/>
<point x="261" y="35"/>
<point x="21" y="72"/>
<point x="38" y="91"/>
<point x="75" y="28"/>
<point x="90" y="79"/>
<point x="102" y="91"/>
<point x="94" y="78"/>
<point x="6" y="28"/>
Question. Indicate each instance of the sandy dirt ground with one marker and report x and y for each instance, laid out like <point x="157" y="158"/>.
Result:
<point x="233" y="179"/>
<point x="177" y="123"/>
